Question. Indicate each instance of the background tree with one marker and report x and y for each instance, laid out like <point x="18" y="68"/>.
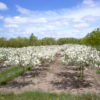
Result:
<point x="68" y="40"/>
<point x="33" y="40"/>
<point x="48" y="41"/>
<point x="92" y="38"/>
<point x="3" y="42"/>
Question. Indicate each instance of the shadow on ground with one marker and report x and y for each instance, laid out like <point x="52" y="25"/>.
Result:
<point x="70" y="80"/>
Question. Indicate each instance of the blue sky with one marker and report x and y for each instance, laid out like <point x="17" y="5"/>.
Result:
<point x="48" y="18"/>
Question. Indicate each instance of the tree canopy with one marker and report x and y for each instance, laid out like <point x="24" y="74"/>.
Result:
<point x="92" y="39"/>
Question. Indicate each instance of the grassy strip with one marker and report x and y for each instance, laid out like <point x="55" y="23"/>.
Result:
<point x="98" y="72"/>
<point x="48" y="96"/>
<point x="11" y="73"/>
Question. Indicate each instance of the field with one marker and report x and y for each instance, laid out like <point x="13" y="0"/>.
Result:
<point x="59" y="72"/>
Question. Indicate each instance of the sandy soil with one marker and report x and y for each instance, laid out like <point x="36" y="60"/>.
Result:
<point x="55" y="77"/>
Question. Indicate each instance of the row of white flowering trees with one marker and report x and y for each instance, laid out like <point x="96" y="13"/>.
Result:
<point x="32" y="56"/>
<point x="82" y="56"/>
<point x="79" y="55"/>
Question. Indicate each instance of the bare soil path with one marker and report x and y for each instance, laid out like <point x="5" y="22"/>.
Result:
<point x="55" y="77"/>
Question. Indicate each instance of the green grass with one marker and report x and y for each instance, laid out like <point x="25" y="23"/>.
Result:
<point x="77" y="68"/>
<point x="48" y="96"/>
<point x="11" y="73"/>
<point x="98" y="71"/>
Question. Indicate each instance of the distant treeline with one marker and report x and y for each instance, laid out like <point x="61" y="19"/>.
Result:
<point x="92" y="39"/>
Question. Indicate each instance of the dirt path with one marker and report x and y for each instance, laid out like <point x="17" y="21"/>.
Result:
<point x="54" y="77"/>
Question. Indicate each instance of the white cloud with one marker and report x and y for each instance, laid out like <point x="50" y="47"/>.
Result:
<point x="79" y="25"/>
<point x="3" y="6"/>
<point x="1" y="17"/>
<point x="11" y="26"/>
<point x="89" y="3"/>
<point x="24" y="20"/>
<point x="74" y="22"/>
<point x="23" y="10"/>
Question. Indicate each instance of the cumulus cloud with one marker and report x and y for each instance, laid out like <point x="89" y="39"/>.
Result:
<point x="3" y="6"/>
<point x="1" y="17"/>
<point x="23" y="10"/>
<point x="11" y="26"/>
<point x="81" y="25"/>
<point x="89" y="3"/>
<point x="73" y="22"/>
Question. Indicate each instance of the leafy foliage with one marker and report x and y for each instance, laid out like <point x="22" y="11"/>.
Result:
<point x="34" y="41"/>
<point x="68" y="41"/>
<point x="48" y="41"/>
<point x="92" y="39"/>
